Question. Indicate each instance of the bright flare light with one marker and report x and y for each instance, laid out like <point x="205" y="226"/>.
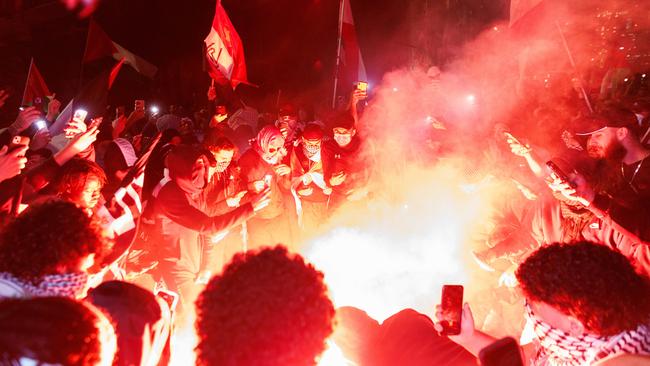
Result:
<point x="471" y="99"/>
<point x="333" y="356"/>
<point x="397" y="254"/>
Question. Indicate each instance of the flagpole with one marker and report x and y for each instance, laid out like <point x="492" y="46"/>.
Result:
<point x="338" y="53"/>
<point x="29" y="73"/>
<point x="575" y="69"/>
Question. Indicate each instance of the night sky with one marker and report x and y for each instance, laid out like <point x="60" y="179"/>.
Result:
<point x="290" y="45"/>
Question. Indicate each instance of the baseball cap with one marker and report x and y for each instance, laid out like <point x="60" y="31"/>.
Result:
<point x="612" y="117"/>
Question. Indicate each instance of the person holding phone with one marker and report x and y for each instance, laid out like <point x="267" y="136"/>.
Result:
<point x="262" y="167"/>
<point x="225" y="192"/>
<point x="583" y="302"/>
<point x="348" y="174"/>
<point x="179" y="210"/>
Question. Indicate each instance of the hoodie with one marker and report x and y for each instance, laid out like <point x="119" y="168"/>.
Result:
<point x="180" y="209"/>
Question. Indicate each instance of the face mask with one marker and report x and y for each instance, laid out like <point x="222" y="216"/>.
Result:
<point x="342" y="140"/>
<point x="221" y="166"/>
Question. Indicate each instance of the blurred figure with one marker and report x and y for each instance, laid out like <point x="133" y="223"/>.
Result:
<point x="142" y="322"/>
<point x="268" y="308"/>
<point x="47" y="251"/>
<point x="584" y="302"/>
<point x="54" y="331"/>
<point x="405" y="338"/>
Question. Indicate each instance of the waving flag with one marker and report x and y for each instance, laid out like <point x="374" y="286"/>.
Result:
<point x="224" y="51"/>
<point x="36" y="91"/>
<point x="125" y="207"/>
<point x="349" y="63"/>
<point x="350" y="52"/>
<point x="100" y="45"/>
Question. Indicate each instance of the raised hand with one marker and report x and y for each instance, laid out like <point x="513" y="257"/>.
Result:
<point x="12" y="162"/>
<point x="41" y="139"/>
<point x="25" y="119"/>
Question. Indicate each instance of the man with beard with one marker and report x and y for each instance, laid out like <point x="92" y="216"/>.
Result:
<point x="558" y="219"/>
<point x="613" y="139"/>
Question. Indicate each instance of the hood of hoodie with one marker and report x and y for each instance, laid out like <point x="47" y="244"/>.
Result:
<point x="190" y="176"/>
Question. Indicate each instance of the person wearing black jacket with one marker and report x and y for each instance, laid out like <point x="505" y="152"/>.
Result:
<point x="179" y="212"/>
<point x="348" y="173"/>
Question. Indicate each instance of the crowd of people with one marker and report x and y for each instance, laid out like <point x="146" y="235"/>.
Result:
<point x="220" y="192"/>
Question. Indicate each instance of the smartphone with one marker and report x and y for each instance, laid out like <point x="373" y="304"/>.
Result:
<point x="451" y="304"/>
<point x="170" y="297"/>
<point x="362" y="85"/>
<point x="559" y="173"/>
<point x="139" y="105"/>
<point x="508" y="135"/>
<point x="18" y="141"/>
<point x="80" y="115"/>
<point x="504" y="352"/>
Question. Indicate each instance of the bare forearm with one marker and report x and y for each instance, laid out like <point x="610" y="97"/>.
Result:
<point x="474" y="343"/>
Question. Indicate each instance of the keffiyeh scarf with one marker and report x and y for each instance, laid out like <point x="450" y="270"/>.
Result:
<point x="558" y="348"/>
<point x="72" y="285"/>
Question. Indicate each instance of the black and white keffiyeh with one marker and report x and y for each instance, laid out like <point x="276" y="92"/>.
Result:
<point x="558" y="348"/>
<point x="72" y="285"/>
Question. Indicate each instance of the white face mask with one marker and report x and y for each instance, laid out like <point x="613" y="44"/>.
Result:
<point x="342" y="140"/>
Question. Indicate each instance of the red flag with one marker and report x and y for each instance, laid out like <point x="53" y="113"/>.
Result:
<point x="353" y="67"/>
<point x="224" y="51"/>
<point x="100" y="45"/>
<point x="36" y="90"/>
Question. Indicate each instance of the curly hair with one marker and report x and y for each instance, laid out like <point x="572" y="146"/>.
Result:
<point x="48" y="236"/>
<point x="267" y="308"/>
<point x="73" y="175"/>
<point x="591" y="282"/>
<point x="51" y="330"/>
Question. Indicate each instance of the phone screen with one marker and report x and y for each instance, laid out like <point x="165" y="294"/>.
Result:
<point x="362" y="85"/>
<point x="504" y="352"/>
<point x="170" y="297"/>
<point x="452" y="309"/>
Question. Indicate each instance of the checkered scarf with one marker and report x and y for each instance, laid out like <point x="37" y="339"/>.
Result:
<point x="72" y="285"/>
<point x="559" y="348"/>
